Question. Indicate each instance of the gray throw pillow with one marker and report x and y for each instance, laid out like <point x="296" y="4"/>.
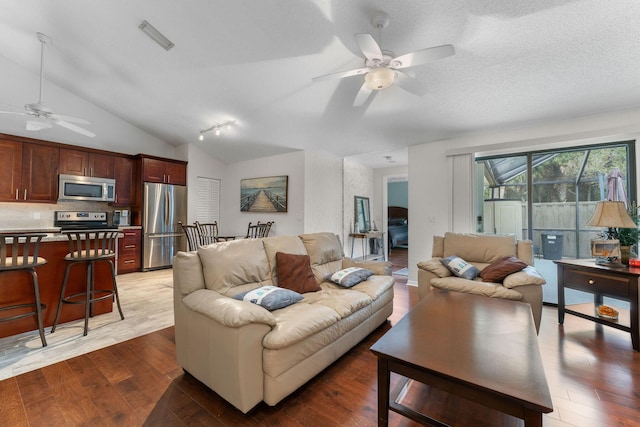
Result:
<point x="350" y="276"/>
<point x="270" y="297"/>
<point x="460" y="267"/>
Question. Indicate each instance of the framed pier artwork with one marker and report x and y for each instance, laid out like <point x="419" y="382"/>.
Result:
<point x="267" y="194"/>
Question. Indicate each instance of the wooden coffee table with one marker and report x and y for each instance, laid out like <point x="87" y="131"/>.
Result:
<point x="478" y="348"/>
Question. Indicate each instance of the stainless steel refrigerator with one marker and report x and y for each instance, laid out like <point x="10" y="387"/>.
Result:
<point x="164" y="206"/>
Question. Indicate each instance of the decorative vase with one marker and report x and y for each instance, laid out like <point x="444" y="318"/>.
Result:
<point x="625" y="254"/>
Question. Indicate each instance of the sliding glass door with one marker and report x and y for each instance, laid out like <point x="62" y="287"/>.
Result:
<point x="548" y="197"/>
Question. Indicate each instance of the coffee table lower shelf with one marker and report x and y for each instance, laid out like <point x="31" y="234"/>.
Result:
<point x="587" y="311"/>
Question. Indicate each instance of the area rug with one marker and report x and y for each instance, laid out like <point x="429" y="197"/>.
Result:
<point x="402" y="272"/>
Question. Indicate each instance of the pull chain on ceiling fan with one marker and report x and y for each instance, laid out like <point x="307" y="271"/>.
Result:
<point x="44" y="116"/>
<point x="382" y="69"/>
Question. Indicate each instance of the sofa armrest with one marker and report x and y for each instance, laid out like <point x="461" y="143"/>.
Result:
<point x="428" y="270"/>
<point x="528" y="276"/>
<point x="227" y="311"/>
<point x="381" y="268"/>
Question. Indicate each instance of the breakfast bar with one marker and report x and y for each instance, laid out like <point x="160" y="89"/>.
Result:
<point x="15" y="286"/>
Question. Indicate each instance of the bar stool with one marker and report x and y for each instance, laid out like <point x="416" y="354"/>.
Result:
<point x="88" y="247"/>
<point x="25" y="261"/>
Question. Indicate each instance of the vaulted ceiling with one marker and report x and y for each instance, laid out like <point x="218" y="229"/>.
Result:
<point x="517" y="62"/>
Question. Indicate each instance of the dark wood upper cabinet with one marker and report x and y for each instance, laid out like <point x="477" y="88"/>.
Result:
<point x="123" y="171"/>
<point x="84" y="163"/>
<point x="164" y="171"/>
<point x="10" y="169"/>
<point x="29" y="171"/>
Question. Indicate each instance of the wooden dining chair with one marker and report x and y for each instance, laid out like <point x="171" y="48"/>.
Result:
<point x="193" y="236"/>
<point x="259" y="230"/>
<point x="208" y="232"/>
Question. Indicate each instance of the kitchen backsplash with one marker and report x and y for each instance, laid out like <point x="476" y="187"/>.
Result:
<point x="40" y="215"/>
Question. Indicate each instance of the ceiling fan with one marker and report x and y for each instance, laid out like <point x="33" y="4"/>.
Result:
<point x="44" y="116"/>
<point x="382" y="69"/>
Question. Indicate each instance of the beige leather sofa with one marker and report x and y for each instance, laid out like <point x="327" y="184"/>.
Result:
<point x="247" y="354"/>
<point x="482" y="250"/>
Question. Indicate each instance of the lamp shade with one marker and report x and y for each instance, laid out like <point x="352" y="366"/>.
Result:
<point x="611" y="214"/>
<point x="380" y="78"/>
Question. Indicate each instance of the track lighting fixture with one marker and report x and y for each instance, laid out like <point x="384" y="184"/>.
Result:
<point x="217" y="129"/>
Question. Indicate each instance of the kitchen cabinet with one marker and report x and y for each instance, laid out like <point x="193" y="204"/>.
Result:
<point x="85" y="163"/>
<point x="129" y="251"/>
<point x="28" y="171"/>
<point x="123" y="173"/>
<point x="164" y="171"/>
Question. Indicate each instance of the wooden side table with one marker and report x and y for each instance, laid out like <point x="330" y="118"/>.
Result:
<point x="601" y="281"/>
<point x="365" y="237"/>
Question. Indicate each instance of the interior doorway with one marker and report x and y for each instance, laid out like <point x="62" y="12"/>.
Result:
<point x="396" y="221"/>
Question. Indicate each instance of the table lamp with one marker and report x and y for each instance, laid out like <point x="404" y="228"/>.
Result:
<point x="612" y="215"/>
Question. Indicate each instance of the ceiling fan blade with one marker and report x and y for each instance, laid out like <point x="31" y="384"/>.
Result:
<point x="410" y="84"/>
<point x="341" y="74"/>
<point x="422" y="56"/>
<point x="74" y="128"/>
<point x="68" y="119"/>
<point x="15" y="112"/>
<point x="363" y="94"/>
<point x="369" y="47"/>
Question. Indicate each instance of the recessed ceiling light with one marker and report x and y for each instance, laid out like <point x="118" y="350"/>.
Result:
<point x="156" y="35"/>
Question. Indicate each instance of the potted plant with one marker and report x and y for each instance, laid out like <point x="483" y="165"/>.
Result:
<point x="628" y="237"/>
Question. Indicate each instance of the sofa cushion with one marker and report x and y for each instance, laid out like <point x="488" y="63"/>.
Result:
<point x="343" y="301"/>
<point x="498" y="270"/>
<point x="286" y="244"/>
<point x="477" y="287"/>
<point x="298" y="322"/>
<point x="460" y="267"/>
<point x="528" y="276"/>
<point x="270" y="297"/>
<point x="228" y="265"/>
<point x="351" y="276"/>
<point x="375" y="286"/>
<point x="325" y="253"/>
<point x="294" y="273"/>
<point x="479" y="247"/>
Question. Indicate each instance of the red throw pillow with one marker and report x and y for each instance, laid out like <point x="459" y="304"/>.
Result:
<point x="294" y="272"/>
<point x="498" y="270"/>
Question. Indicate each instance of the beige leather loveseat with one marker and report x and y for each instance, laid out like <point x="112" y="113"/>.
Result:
<point x="481" y="251"/>
<point x="248" y="354"/>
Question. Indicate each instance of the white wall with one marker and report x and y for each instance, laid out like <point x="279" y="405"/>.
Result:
<point x="323" y="207"/>
<point x="289" y="223"/>
<point x="430" y="166"/>
<point x="358" y="181"/>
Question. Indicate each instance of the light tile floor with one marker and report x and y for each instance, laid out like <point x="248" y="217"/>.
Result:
<point x="147" y="303"/>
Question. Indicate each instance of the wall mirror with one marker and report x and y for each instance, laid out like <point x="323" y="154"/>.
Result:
<point x="362" y="215"/>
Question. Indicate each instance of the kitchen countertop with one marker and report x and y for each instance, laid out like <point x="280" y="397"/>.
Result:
<point x="54" y="234"/>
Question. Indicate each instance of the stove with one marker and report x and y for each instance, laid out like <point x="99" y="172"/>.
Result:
<point x="74" y="220"/>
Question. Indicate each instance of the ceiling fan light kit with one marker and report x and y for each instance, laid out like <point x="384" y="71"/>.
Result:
<point x="380" y="78"/>
<point x="382" y="69"/>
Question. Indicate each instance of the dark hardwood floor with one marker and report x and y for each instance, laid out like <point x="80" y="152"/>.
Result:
<point x="593" y="375"/>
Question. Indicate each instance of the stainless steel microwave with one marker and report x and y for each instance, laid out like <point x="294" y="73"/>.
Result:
<point x="74" y="187"/>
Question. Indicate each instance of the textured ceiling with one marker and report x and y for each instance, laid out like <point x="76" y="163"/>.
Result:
<point x="517" y="62"/>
